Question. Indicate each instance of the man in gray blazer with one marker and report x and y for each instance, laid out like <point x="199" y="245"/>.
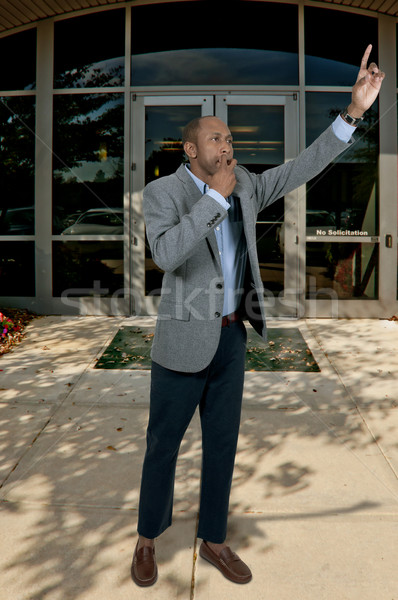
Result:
<point x="201" y="229"/>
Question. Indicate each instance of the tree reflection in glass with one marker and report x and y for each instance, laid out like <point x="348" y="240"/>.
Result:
<point x="88" y="161"/>
<point x="17" y="153"/>
<point x="95" y="57"/>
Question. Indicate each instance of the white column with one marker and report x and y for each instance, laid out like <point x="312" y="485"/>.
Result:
<point x="43" y="171"/>
<point x="388" y="165"/>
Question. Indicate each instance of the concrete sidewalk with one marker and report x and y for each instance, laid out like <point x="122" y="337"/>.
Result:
<point x="314" y="505"/>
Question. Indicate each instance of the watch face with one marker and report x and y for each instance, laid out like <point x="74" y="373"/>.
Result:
<point x="351" y="120"/>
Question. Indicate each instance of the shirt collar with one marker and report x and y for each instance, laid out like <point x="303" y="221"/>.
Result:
<point x="200" y="184"/>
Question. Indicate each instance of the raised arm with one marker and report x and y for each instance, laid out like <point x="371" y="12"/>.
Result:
<point x="367" y="86"/>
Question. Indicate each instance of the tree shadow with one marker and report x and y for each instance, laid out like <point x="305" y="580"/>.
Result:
<point x="72" y="469"/>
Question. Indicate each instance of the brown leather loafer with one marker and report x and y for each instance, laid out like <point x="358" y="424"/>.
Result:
<point x="229" y="563"/>
<point x="144" y="570"/>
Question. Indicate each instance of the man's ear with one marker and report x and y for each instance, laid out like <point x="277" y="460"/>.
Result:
<point x="190" y="149"/>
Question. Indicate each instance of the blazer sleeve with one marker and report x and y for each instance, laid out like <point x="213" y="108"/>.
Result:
<point x="277" y="182"/>
<point x="173" y="234"/>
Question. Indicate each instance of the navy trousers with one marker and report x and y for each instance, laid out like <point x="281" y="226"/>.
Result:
<point x="217" y="391"/>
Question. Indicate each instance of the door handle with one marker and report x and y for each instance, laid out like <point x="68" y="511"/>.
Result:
<point x="388" y="240"/>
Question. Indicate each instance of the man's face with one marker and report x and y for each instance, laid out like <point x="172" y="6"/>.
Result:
<point x="213" y="140"/>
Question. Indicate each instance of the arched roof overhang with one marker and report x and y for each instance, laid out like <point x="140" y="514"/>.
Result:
<point x="18" y="13"/>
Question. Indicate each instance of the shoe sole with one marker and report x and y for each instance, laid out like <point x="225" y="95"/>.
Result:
<point x="141" y="582"/>
<point x="215" y="563"/>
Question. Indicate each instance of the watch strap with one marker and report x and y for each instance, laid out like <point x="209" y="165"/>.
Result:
<point x="354" y="121"/>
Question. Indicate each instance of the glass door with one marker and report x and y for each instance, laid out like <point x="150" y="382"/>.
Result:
<point x="157" y="150"/>
<point x="264" y="129"/>
<point x="350" y="220"/>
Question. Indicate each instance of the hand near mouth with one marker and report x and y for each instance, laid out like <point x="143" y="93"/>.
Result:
<point x="224" y="180"/>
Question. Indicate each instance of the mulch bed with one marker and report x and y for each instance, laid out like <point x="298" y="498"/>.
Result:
<point x="13" y="322"/>
<point x="286" y="350"/>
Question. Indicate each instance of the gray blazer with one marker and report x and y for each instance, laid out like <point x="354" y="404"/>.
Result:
<point x="180" y="226"/>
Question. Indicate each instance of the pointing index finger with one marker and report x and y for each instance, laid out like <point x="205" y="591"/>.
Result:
<point x="364" y="61"/>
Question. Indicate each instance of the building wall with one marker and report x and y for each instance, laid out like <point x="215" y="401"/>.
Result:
<point x="66" y="227"/>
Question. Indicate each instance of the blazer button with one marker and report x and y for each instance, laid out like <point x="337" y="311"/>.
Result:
<point x="217" y="314"/>
<point x="219" y="286"/>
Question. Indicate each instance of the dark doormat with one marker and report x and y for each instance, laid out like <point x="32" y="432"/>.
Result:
<point x="286" y="350"/>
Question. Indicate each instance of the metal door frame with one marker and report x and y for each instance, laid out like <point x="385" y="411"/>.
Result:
<point x="140" y="304"/>
<point x="287" y="305"/>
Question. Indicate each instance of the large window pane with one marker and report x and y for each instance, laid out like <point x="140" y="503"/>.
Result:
<point x="88" y="164"/>
<point x="236" y="43"/>
<point x="17" y="269"/>
<point x="332" y="62"/>
<point x="89" y="50"/>
<point x="87" y="269"/>
<point x="344" y="271"/>
<point x="17" y="151"/>
<point x="343" y="199"/>
<point x="18" y="65"/>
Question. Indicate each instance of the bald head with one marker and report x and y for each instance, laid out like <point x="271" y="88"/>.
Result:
<point x="190" y="131"/>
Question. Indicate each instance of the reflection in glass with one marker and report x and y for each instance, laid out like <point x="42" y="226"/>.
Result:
<point x="88" y="268"/>
<point x="270" y="255"/>
<point x="328" y="63"/>
<point x="18" y="67"/>
<point x="245" y="50"/>
<point x="343" y="199"/>
<point x="88" y="162"/>
<point x="163" y="134"/>
<point x="17" y="153"/>
<point x="215" y="66"/>
<point x="258" y="133"/>
<point x="17" y="268"/>
<point x="97" y="221"/>
<point x="345" y="271"/>
<point x="163" y="155"/>
<point x="89" y="50"/>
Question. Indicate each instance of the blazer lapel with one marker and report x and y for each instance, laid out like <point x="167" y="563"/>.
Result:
<point x="192" y="192"/>
<point x="192" y="195"/>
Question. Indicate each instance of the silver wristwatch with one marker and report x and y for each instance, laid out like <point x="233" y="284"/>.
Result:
<point x="354" y="121"/>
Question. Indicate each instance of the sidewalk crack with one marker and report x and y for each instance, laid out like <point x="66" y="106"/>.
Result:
<point x="194" y="559"/>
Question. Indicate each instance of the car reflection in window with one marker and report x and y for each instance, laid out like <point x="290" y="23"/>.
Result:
<point x="17" y="221"/>
<point x="319" y="219"/>
<point x="95" y="221"/>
